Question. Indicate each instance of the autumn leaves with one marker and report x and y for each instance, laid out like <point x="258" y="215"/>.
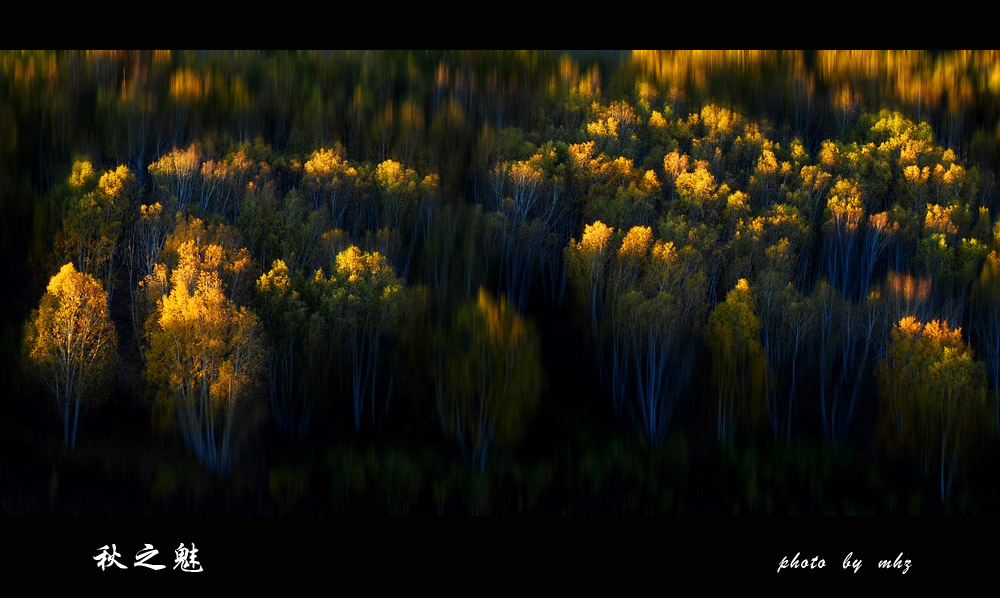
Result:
<point x="204" y="352"/>
<point x="327" y="321"/>
<point x="933" y="394"/>
<point x="713" y="263"/>
<point x="71" y="341"/>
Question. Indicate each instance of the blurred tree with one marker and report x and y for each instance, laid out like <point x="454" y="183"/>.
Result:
<point x="492" y="377"/>
<point x="985" y="306"/>
<point x="526" y="209"/>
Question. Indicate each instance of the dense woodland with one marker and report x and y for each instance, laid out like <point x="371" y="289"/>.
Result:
<point x="500" y="282"/>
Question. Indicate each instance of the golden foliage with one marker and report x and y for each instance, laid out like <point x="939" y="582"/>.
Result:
<point x="112" y="181"/>
<point x="939" y="219"/>
<point x="147" y="212"/>
<point x="845" y="204"/>
<point x="738" y="202"/>
<point x="71" y="341"/>
<point x="582" y="154"/>
<point x="636" y="243"/>
<point x="82" y="175"/>
<point x="178" y="163"/>
<point x="72" y="326"/>
<point x="393" y="177"/>
<point x="675" y="163"/>
<point x="698" y="185"/>
<point x="186" y="85"/>
<point x="595" y="237"/>
<point x="276" y="279"/>
<point x="200" y="341"/>
<point x="355" y="264"/>
<point x="664" y="252"/>
<point x="326" y="163"/>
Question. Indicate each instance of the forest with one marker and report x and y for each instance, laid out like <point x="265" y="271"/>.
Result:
<point x="500" y="282"/>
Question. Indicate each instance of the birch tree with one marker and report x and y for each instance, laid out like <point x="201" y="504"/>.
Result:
<point x="72" y="343"/>
<point x="935" y="394"/>
<point x="204" y="352"/>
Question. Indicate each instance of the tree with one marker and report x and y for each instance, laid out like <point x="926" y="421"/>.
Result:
<point x="847" y="340"/>
<point x="737" y="359"/>
<point x="149" y="233"/>
<point x="285" y="318"/>
<point x="492" y="377"/>
<point x="985" y="306"/>
<point x="175" y="174"/>
<point x="362" y="303"/>
<point x="786" y="328"/>
<point x="222" y="181"/>
<point x="526" y="208"/>
<point x="397" y="187"/>
<point x="94" y="221"/>
<point x="204" y="351"/>
<point x="587" y="264"/>
<point x="644" y="300"/>
<point x="846" y="213"/>
<point x="404" y="204"/>
<point x="934" y="394"/>
<point x="72" y="342"/>
<point x="329" y="179"/>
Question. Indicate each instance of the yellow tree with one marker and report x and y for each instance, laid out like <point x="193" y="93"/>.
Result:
<point x="398" y="193"/>
<point x="293" y="368"/>
<point x="72" y="342"/>
<point x="845" y="210"/>
<point x="362" y="303"/>
<point x="329" y="178"/>
<point x="93" y="227"/>
<point x="587" y="268"/>
<point x="526" y="206"/>
<point x="204" y="351"/>
<point x="737" y="359"/>
<point x="933" y="393"/>
<point x="222" y="180"/>
<point x="175" y="173"/>
<point x="588" y="262"/>
<point x="645" y="299"/>
<point x="405" y="204"/>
